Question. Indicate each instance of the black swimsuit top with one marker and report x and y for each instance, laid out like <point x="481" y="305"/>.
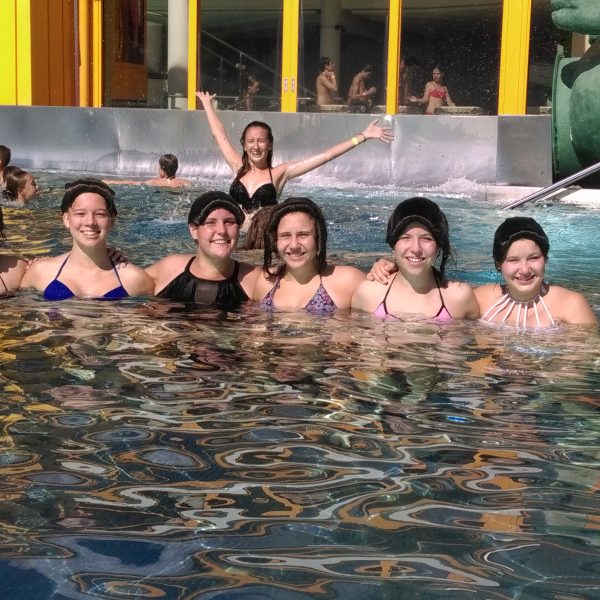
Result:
<point x="265" y="195"/>
<point x="186" y="287"/>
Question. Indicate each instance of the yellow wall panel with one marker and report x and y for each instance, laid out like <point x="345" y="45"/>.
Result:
<point x="8" y="51"/>
<point x="23" y="32"/>
<point x="514" y="57"/>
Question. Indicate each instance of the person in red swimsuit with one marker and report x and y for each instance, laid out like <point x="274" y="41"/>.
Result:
<point x="436" y="93"/>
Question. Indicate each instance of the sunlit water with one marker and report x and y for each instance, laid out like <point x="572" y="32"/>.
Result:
<point x="155" y="452"/>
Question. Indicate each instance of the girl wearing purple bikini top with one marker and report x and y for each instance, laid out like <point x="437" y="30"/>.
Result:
<point x="296" y="275"/>
<point x="418" y="234"/>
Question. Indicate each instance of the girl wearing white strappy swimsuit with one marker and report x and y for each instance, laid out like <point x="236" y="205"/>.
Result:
<point x="525" y="300"/>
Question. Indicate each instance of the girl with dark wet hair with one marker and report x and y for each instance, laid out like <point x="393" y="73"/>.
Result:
<point x="86" y="271"/>
<point x="296" y="275"/>
<point x="525" y="300"/>
<point x="257" y="182"/>
<point x="418" y="233"/>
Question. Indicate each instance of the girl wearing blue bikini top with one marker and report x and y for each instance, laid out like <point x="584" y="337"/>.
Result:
<point x="257" y="182"/>
<point x="295" y="274"/>
<point x="89" y="212"/>
<point x="418" y="234"/>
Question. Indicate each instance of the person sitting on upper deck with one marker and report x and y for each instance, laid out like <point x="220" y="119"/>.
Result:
<point x="86" y="271"/>
<point x="245" y="100"/>
<point x="326" y="83"/>
<point x="257" y="182"/>
<point x="360" y="97"/>
<point x="436" y="94"/>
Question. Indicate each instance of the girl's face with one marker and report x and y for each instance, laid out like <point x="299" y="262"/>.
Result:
<point x="88" y="219"/>
<point x="297" y="240"/>
<point x="523" y="269"/>
<point x="437" y="75"/>
<point x="257" y="144"/>
<point x="29" y="189"/>
<point x="218" y="236"/>
<point x="416" y="250"/>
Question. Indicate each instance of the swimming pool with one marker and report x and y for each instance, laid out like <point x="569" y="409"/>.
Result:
<point x="156" y="452"/>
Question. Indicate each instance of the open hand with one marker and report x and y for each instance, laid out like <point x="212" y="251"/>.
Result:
<point x="377" y="132"/>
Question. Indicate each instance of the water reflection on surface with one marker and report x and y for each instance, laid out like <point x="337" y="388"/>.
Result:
<point x="150" y="451"/>
<point x="153" y="451"/>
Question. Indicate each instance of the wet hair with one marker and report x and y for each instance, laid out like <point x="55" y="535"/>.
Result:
<point x="289" y="206"/>
<point x="90" y="185"/>
<point x="208" y="202"/>
<point x="255" y="236"/>
<point x="427" y="213"/>
<point x="245" y="160"/>
<point x="169" y="164"/>
<point x="14" y="181"/>
<point x="323" y="62"/>
<point x="518" y="228"/>
<point x="4" y="155"/>
<point x="368" y="68"/>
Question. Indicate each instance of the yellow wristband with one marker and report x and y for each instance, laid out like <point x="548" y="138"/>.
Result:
<point x="355" y="141"/>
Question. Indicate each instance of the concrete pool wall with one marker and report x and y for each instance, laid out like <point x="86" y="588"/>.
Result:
<point x="427" y="150"/>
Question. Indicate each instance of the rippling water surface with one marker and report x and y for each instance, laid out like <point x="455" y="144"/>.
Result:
<point x="150" y="451"/>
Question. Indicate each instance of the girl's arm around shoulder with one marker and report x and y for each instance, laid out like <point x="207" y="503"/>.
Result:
<point x="461" y="300"/>
<point x="166" y="269"/>
<point x="368" y="296"/>
<point x="41" y="272"/>
<point x="249" y="278"/>
<point x="136" y="281"/>
<point x="573" y="308"/>
<point x="341" y="284"/>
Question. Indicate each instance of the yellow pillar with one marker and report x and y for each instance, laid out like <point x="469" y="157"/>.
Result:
<point x="514" y="57"/>
<point x="192" y="78"/>
<point x="15" y="49"/>
<point x="8" y="51"/>
<point x="393" y="56"/>
<point x="84" y="52"/>
<point x="289" y="61"/>
<point x="97" y="53"/>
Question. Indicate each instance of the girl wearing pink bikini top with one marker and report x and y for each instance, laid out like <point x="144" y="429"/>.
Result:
<point x="418" y="234"/>
<point x="436" y="93"/>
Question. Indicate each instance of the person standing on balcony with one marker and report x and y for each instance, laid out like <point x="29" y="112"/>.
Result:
<point x="326" y="83"/>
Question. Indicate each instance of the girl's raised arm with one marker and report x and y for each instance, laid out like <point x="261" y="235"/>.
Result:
<point x="232" y="157"/>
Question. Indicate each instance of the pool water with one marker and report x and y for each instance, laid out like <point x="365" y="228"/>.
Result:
<point x="151" y="451"/>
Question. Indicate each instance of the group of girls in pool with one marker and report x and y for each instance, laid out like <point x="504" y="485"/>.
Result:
<point x="295" y="274"/>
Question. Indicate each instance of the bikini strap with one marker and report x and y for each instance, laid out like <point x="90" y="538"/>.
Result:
<point x="4" y="284"/>
<point x="116" y="272"/>
<point x="62" y="266"/>
<point x="236" y="270"/>
<point x="189" y="264"/>
<point x="387" y="293"/>
<point x="439" y="289"/>
<point x="270" y="175"/>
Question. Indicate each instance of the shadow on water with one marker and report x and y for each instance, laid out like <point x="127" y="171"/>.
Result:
<point x="154" y="451"/>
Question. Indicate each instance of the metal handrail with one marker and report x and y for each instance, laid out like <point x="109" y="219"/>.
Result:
<point x="548" y="191"/>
